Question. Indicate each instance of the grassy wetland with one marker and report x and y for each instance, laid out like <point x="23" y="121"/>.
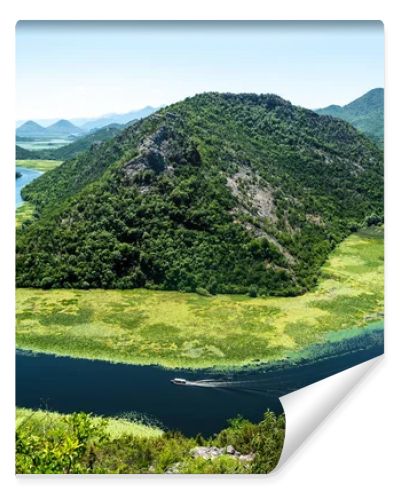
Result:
<point x="192" y="331"/>
<point x="40" y="165"/>
<point x="24" y="213"/>
<point x="40" y="421"/>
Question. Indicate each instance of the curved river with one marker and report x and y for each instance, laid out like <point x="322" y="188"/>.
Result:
<point x="27" y="176"/>
<point x="67" y="384"/>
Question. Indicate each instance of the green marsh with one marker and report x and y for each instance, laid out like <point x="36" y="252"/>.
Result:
<point x="188" y="330"/>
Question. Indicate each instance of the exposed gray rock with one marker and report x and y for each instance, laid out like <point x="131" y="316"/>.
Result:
<point x="207" y="452"/>
<point x="161" y="152"/>
<point x="247" y="458"/>
<point x="254" y="194"/>
<point x="212" y="452"/>
<point x="174" y="469"/>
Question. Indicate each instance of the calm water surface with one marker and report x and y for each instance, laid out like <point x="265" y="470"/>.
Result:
<point x="67" y="384"/>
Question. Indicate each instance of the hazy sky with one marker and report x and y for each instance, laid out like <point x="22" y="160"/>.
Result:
<point x="84" y="69"/>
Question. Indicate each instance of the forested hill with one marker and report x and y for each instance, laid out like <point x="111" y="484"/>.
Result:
<point x="24" y="154"/>
<point x="365" y="113"/>
<point x="219" y="192"/>
<point x="81" y="144"/>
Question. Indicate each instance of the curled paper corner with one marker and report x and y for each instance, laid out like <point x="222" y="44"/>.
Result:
<point x="308" y="407"/>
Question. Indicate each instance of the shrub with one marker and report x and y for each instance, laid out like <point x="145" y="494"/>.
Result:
<point x="253" y="291"/>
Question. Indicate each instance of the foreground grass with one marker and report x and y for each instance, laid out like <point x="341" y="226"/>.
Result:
<point x="50" y="443"/>
<point x="39" y="421"/>
<point x="40" y="165"/>
<point x="188" y="330"/>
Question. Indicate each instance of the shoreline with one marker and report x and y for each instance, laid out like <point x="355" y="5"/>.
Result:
<point x="303" y="356"/>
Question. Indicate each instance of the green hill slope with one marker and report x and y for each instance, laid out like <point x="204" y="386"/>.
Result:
<point x="229" y="193"/>
<point x="82" y="144"/>
<point x="365" y="113"/>
<point x="25" y="154"/>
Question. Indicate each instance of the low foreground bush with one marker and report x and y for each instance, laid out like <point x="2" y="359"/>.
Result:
<point x="81" y="444"/>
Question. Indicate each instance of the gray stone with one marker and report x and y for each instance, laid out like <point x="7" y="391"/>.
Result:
<point x="207" y="452"/>
<point x="211" y="452"/>
<point x="247" y="458"/>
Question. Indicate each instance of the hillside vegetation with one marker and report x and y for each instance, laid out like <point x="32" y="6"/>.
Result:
<point x="220" y="192"/>
<point x="365" y="113"/>
<point x="25" y="154"/>
<point x="191" y="330"/>
<point x="91" y="140"/>
<point x="50" y="443"/>
<point x="72" y="149"/>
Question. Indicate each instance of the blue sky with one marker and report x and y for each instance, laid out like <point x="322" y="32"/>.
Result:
<point x="85" y="69"/>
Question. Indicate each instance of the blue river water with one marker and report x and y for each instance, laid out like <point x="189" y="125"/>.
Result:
<point x="67" y="384"/>
<point x="27" y="176"/>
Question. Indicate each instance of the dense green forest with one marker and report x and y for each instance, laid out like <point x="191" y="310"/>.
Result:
<point x="219" y="193"/>
<point x="80" y="444"/>
<point x="365" y="113"/>
<point x="25" y="154"/>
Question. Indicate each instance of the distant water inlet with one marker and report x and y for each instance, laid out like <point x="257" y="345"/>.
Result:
<point x="202" y="405"/>
<point x="27" y="176"/>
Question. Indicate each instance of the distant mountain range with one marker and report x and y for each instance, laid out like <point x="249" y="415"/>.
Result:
<point x="365" y="113"/>
<point x="62" y="128"/>
<point x="80" y="145"/>
<point x="118" y="118"/>
<point x="78" y="126"/>
<point x="30" y="129"/>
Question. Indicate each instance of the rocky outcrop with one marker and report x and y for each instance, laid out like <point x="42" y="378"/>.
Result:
<point x="162" y="151"/>
<point x="254" y="195"/>
<point x="212" y="452"/>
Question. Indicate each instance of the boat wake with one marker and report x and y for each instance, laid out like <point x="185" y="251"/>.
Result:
<point x="270" y="386"/>
<point x="256" y="385"/>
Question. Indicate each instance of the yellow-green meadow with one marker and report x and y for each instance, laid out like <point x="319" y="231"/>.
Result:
<point x="23" y="213"/>
<point x="42" y="420"/>
<point x="188" y="330"/>
<point x="40" y="165"/>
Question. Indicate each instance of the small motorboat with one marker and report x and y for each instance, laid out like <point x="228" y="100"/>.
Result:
<point x="179" y="381"/>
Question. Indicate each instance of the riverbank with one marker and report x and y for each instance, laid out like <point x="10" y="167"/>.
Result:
<point x="34" y="168"/>
<point x="40" y="165"/>
<point x="23" y="213"/>
<point x="145" y="393"/>
<point x="40" y="420"/>
<point x="191" y="331"/>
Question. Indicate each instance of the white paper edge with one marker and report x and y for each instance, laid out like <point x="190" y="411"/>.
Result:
<point x="307" y="408"/>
